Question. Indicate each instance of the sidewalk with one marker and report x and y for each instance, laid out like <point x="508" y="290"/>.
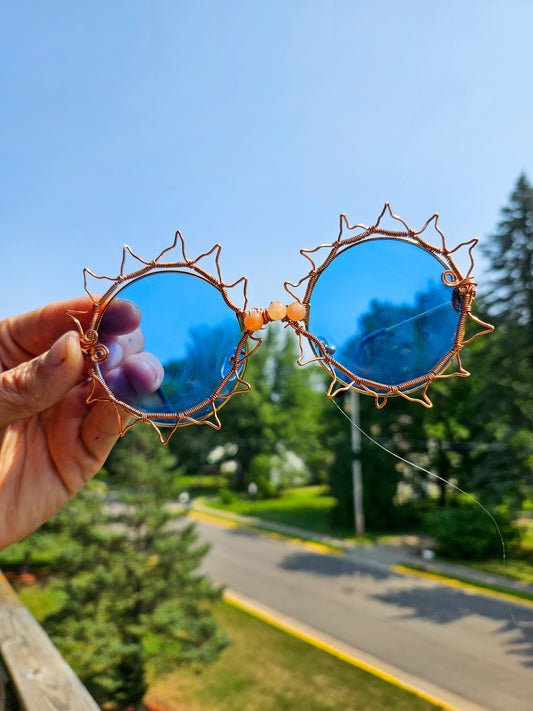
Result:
<point x="403" y="549"/>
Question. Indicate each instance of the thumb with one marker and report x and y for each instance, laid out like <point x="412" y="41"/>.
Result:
<point x="33" y="386"/>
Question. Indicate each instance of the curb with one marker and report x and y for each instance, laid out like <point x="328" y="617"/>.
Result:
<point x="334" y="547"/>
<point x="322" y="548"/>
<point x="445" y="700"/>
<point x="452" y="582"/>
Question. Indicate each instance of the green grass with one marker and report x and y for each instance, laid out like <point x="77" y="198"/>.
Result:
<point x="263" y="668"/>
<point x="195" y="485"/>
<point x="267" y="669"/>
<point x="40" y="556"/>
<point x="522" y="594"/>
<point x="42" y="600"/>
<point x="519" y="568"/>
<point x="308" y="507"/>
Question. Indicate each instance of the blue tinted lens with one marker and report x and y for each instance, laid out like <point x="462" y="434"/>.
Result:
<point x="188" y="328"/>
<point x="383" y="312"/>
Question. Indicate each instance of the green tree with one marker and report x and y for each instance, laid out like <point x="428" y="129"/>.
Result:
<point x="133" y="595"/>
<point x="479" y="433"/>
<point x="380" y="471"/>
<point x="510" y="251"/>
<point x="298" y="396"/>
<point x="504" y="362"/>
<point x="247" y="417"/>
<point x="281" y="414"/>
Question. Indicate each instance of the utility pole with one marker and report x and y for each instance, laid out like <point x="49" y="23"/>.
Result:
<point x="357" y="476"/>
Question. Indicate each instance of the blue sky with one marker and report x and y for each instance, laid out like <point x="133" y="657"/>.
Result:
<point x="252" y="124"/>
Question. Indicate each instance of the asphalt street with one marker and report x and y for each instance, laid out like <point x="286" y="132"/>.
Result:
<point x="476" y="649"/>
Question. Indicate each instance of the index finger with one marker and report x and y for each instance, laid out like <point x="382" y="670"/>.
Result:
<point x="34" y="332"/>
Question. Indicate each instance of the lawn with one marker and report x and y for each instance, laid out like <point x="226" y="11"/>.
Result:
<point x="197" y="485"/>
<point x="308" y="507"/>
<point x="519" y="568"/>
<point x="42" y="600"/>
<point x="267" y="669"/>
<point x="263" y="668"/>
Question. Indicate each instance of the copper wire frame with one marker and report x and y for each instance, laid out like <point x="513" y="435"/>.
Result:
<point x="96" y="352"/>
<point x="451" y="277"/>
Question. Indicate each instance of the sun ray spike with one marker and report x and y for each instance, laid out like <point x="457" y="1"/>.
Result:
<point x="128" y="250"/>
<point x="411" y="390"/>
<point x="244" y="281"/>
<point x="88" y="272"/>
<point x="170" y="248"/>
<point x="414" y="390"/>
<point x="74" y="316"/>
<point x="488" y="328"/>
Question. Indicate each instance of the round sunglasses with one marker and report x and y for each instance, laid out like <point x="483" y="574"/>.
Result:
<point x="382" y="310"/>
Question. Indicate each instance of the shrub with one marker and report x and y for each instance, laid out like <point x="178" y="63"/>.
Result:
<point x="465" y="530"/>
<point x="260" y="472"/>
<point x="226" y="496"/>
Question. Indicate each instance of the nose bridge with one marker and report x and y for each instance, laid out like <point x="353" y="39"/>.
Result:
<point x="255" y="319"/>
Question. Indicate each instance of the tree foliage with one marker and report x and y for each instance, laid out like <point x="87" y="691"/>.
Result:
<point x="510" y="251"/>
<point x="380" y="472"/>
<point x="479" y="434"/>
<point x="133" y="594"/>
<point x="504" y="362"/>
<point x="278" y="420"/>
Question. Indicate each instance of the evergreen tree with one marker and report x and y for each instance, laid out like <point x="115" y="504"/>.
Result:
<point x="510" y="252"/>
<point x="133" y="595"/>
<point x="505" y="360"/>
<point x="479" y="433"/>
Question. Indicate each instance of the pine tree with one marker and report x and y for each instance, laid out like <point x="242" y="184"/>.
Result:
<point x="504" y="361"/>
<point x="133" y="595"/>
<point x="510" y="251"/>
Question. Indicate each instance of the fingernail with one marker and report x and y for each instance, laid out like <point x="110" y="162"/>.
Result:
<point x="59" y="351"/>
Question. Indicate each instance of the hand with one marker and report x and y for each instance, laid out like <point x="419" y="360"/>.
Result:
<point x="51" y="440"/>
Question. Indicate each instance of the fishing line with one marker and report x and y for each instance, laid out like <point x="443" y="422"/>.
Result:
<point x="449" y="483"/>
<point x="470" y="497"/>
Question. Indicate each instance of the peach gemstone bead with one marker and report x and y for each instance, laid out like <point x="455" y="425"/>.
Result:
<point x="277" y="310"/>
<point x="296" y="311"/>
<point x="253" y="320"/>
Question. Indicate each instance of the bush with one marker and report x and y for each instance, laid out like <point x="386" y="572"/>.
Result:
<point x="226" y="496"/>
<point x="410" y="515"/>
<point x="260" y="472"/>
<point x="464" y="530"/>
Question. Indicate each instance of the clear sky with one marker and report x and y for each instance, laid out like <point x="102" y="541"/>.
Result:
<point x="253" y="124"/>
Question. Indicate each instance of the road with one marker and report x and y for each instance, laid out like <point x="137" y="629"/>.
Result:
<point x="471" y="650"/>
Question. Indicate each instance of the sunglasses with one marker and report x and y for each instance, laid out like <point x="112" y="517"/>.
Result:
<point x="382" y="310"/>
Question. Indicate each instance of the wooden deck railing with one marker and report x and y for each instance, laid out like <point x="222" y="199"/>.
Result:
<point x="33" y="675"/>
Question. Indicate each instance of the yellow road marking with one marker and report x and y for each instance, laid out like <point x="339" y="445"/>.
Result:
<point x="315" y="546"/>
<point x="281" y="622"/>
<point x="509" y="597"/>
<point x="217" y="520"/>
<point x="472" y="587"/>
